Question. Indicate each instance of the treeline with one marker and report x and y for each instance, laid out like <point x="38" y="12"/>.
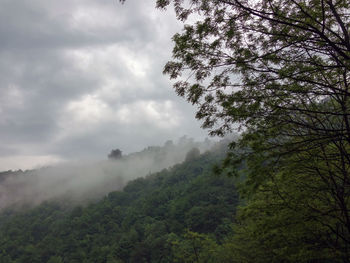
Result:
<point x="170" y="216"/>
<point x="191" y="213"/>
<point x="81" y="182"/>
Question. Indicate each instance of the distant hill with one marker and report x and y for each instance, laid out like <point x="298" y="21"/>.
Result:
<point x="141" y="223"/>
<point x="81" y="182"/>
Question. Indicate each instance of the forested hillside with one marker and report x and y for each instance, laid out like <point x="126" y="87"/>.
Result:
<point x="151" y="220"/>
<point x="276" y="71"/>
<point x="84" y="181"/>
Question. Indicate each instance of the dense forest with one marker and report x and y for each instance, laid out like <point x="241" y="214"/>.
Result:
<point x="81" y="181"/>
<point x="190" y="212"/>
<point x="278" y="71"/>
<point x="169" y="216"/>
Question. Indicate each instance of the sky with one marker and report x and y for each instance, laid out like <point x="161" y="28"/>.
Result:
<point x="79" y="78"/>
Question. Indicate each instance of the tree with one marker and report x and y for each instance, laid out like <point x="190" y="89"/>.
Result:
<point x="192" y="154"/>
<point x="194" y="247"/>
<point x="115" y="154"/>
<point x="55" y="259"/>
<point x="279" y="71"/>
<point x="282" y="223"/>
<point x="263" y="62"/>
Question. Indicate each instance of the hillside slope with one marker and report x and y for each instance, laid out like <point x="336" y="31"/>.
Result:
<point x="139" y="224"/>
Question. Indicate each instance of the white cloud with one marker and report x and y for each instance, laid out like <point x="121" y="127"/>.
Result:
<point x="88" y="110"/>
<point x="12" y="97"/>
<point x="162" y="115"/>
<point x="15" y="162"/>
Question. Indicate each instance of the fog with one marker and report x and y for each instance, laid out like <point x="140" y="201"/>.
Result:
<point x="81" y="182"/>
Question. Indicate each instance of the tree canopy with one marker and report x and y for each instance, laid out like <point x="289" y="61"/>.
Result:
<point x="146" y="222"/>
<point x="115" y="154"/>
<point x="264" y="64"/>
<point x="278" y="70"/>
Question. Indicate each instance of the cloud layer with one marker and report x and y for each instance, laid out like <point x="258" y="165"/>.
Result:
<point x="80" y="77"/>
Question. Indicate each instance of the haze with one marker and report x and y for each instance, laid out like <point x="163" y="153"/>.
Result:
<point x="83" y="182"/>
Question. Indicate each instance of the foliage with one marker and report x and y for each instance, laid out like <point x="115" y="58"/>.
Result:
<point x="138" y="224"/>
<point x="115" y="154"/>
<point x="192" y="154"/>
<point x="278" y="70"/>
<point x="282" y="223"/>
<point x="263" y="63"/>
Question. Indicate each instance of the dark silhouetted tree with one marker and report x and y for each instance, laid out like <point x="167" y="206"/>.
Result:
<point x="115" y="154"/>
<point x="192" y="154"/>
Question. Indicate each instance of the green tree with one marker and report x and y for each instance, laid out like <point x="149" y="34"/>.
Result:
<point x="192" y="154"/>
<point x="278" y="70"/>
<point x="262" y="63"/>
<point x="115" y="154"/>
<point x="194" y="247"/>
<point x="55" y="259"/>
<point x="283" y="223"/>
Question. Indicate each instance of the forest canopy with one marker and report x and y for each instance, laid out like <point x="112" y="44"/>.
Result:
<point x="278" y="70"/>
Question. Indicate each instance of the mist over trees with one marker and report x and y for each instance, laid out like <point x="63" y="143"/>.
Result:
<point x="192" y="154"/>
<point x="275" y="70"/>
<point x="115" y="154"/>
<point x="83" y="182"/>
<point x="150" y="220"/>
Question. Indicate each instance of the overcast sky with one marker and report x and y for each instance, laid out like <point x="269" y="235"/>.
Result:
<point x="81" y="77"/>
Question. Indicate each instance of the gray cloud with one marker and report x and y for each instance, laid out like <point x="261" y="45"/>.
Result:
<point x="78" y="78"/>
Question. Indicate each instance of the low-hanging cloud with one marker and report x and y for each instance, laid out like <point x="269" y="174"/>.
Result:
<point x="85" y="181"/>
